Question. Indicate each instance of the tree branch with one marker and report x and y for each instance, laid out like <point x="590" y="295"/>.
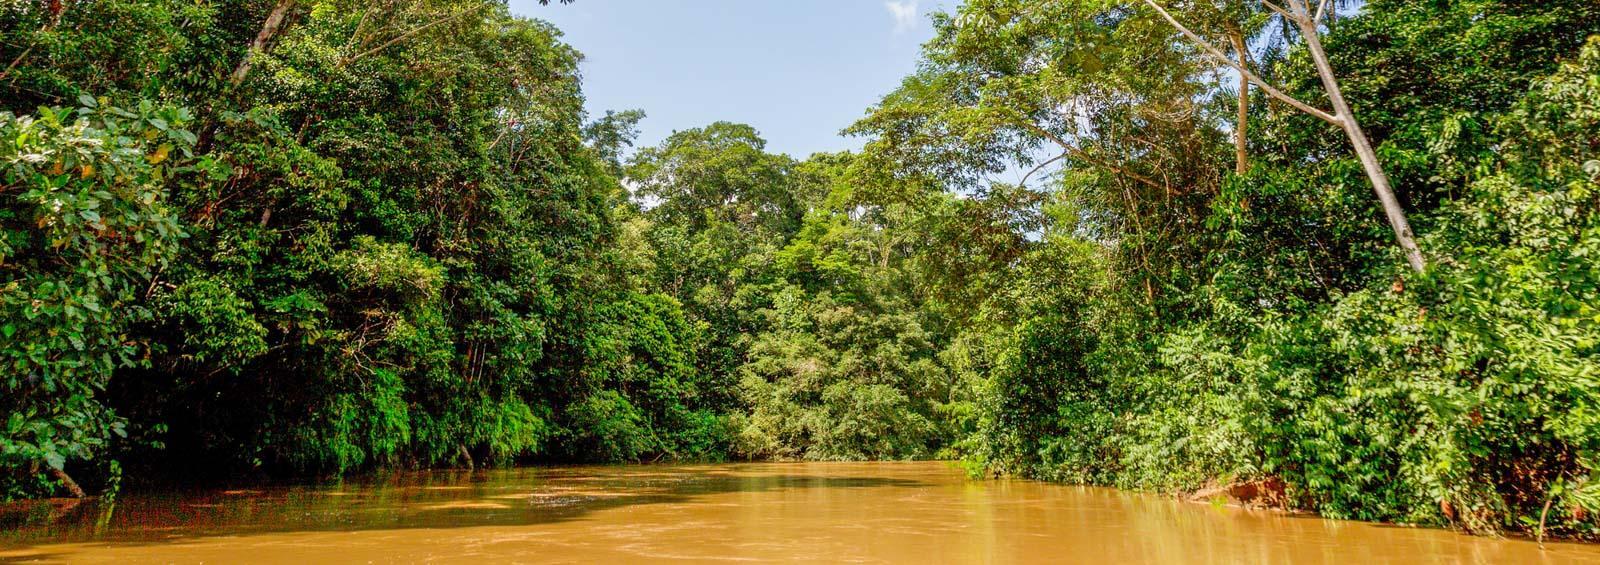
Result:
<point x="1322" y="8"/>
<point x="1084" y="156"/>
<point x="1217" y="54"/>
<point x="1024" y="181"/>
<point x="67" y="483"/>
<point x="361" y="25"/>
<point x="414" y="31"/>
<point x="15" y="61"/>
<point x="269" y="28"/>
<point x="1279" y="10"/>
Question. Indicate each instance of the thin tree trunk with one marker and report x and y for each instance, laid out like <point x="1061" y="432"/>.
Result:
<point x="1241" y="158"/>
<point x="1358" y="139"/>
<point x="68" y="483"/>
<point x="269" y="29"/>
<point x="1300" y="13"/>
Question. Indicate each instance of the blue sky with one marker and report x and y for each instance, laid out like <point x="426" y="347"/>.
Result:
<point x="797" y="70"/>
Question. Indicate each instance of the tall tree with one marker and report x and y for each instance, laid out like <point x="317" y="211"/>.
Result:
<point x="1308" y="21"/>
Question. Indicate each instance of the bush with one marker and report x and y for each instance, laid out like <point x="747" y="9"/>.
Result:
<point x="84" y="229"/>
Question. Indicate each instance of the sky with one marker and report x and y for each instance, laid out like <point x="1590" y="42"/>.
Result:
<point x="797" y="70"/>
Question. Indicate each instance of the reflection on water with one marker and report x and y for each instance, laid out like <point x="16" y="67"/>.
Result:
<point x="818" y="512"/>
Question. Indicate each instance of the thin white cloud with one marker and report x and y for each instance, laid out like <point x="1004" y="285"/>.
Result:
<point x="904" y="13"/>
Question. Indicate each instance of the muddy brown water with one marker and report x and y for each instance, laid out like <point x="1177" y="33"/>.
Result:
<point x="922" y="512"/>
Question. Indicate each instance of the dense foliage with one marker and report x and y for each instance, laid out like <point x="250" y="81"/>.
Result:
<point x="289" y="237"/>
<point x="1179" y="323"/>
<point x="397" y="245"/>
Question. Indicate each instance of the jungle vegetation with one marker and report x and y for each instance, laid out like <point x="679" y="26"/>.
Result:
<point x="282" y="238"/>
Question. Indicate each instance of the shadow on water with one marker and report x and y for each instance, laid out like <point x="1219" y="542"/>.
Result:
<point x="426" y="499"/>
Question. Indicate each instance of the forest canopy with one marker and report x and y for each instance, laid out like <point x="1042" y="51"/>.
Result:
<point x="290" y="238"/>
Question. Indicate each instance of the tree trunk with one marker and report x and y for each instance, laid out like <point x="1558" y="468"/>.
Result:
<point x="1241" y="158"/>
<point x="1363" y="147"/>
<point x="1300" y="13"/>
<point x="67" y="482"/>
<point x="269" y="29"/>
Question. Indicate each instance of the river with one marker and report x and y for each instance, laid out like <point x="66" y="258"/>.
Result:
<point x="921" y="512"/>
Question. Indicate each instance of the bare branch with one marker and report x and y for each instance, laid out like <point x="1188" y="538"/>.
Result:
<point x="1279" y="9"/>
<point x="1322" y="8"/>
<point x="360" y="25"/>
<point x="15" y="61"/>
<point x="1222" y="58"/>
<point x="1024" y="181"/>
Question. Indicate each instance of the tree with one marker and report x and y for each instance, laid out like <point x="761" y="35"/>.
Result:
<point x="1088" y="87"/>
<point x="86" y="225"/>
<point x="1307" y="21"/>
